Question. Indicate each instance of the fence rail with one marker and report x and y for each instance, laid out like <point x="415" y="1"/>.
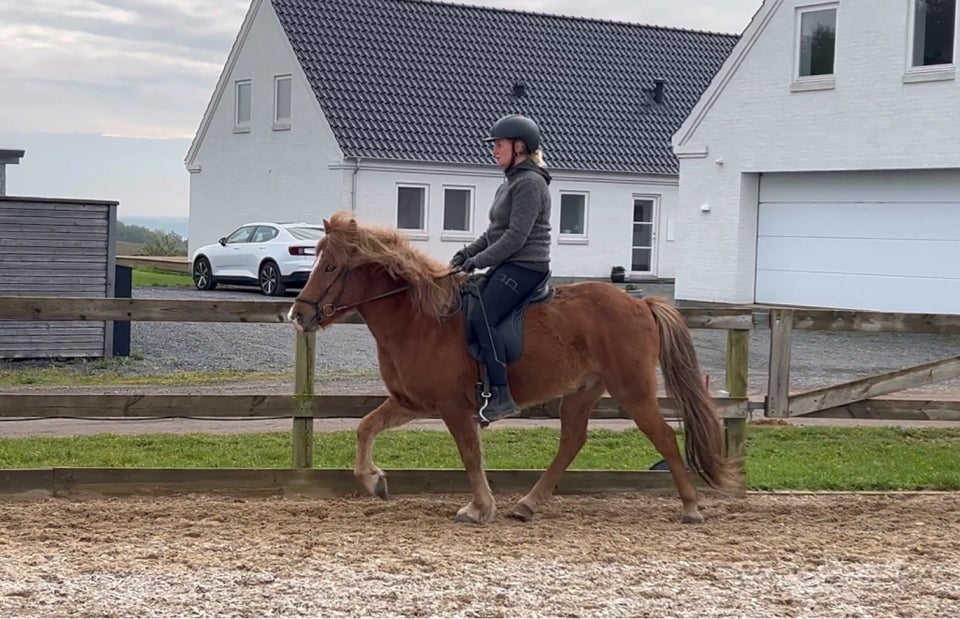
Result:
<point x="855" y="399"/>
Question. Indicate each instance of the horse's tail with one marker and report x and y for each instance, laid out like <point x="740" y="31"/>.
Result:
<point x="703" y="439"/>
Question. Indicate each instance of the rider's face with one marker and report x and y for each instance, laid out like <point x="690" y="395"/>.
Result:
<point x="501" y="151"/>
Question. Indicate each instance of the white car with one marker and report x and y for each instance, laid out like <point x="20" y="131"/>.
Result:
<point x="271" y="256"/>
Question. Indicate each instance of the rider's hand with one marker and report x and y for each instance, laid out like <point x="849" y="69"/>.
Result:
<point x="458" y="259"/>
<point x="468" y="266"/>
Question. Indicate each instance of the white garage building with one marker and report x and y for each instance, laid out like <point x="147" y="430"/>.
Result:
<point x="822" y="168"/>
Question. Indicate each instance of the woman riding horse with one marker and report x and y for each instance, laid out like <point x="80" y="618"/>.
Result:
<point x="590" y="338"/>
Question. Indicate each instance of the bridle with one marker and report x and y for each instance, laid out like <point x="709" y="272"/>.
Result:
<point x="329" y="309"/>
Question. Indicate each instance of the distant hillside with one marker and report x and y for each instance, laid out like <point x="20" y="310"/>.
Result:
<point x="177" y="225"/>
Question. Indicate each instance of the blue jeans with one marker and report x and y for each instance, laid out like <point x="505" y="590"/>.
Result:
<point x="507" y="286"/>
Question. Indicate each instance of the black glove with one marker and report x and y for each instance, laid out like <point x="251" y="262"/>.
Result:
<point x="468" y="266"/>
<point x="458" y="259"/>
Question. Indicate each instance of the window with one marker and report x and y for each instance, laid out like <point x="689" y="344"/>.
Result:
<point x="573" y="216"/>
<point x="412" y="208"/>
<point x="240" y="235"/>
<point x="241" y="121"/>
<point x="817" y="41"/>
<point x="933" y="32"/>
<point x="457" y="209"/>
<point x="282" y="85"/>
<point x="264" y="234"/>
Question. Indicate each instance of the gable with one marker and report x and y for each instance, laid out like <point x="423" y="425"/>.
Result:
<point x="422" y="81"/>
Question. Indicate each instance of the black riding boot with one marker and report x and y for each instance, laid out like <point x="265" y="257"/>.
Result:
<point x="500" y="405"/>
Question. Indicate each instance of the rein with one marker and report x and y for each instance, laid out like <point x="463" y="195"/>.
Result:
<point x="329" y="309"/>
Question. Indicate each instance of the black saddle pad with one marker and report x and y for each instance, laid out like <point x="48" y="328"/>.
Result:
<point x="510" y="328"/>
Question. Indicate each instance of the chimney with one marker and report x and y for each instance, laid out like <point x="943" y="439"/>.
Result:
<point x="519" y="89"/>
<point x="7" y="157"/>
<point x="658" y="90"/>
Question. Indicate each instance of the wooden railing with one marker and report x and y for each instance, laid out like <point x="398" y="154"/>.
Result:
<point x="303" y="406"/>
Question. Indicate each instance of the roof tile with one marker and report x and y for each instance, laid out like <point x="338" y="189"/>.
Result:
<point x="423" y="81"/>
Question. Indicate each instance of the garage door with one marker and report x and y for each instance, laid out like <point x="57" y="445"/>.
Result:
<point x="883" y="241"/>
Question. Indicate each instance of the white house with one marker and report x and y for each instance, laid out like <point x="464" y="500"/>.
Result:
<point x="380" y="106"/>
<point x="821" y="167"/>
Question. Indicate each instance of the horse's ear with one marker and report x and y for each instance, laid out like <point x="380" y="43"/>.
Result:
<point x="326" y="224"/>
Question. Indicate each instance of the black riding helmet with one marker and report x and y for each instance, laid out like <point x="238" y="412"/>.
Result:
<point x="516" y="127"/>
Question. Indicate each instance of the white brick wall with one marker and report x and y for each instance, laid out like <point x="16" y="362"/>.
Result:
<point x="610" y="211"/>
<point x="871" y="120"/>
<point x="265" y="174"/>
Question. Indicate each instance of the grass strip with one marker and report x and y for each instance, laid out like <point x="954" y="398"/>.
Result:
<point x="779" y="458"/>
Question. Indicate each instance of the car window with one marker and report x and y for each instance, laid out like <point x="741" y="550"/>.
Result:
<point x="306" y="233"/>
<point x="264" y="234"/>
<point x="241" y="235"/>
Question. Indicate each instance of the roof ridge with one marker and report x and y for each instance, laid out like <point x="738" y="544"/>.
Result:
<point x="572" y="17"/>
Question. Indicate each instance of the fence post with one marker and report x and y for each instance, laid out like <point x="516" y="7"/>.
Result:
<point x="738" y="354"/>
<point x="304" y="363"/>
<point x="778" y="381"/>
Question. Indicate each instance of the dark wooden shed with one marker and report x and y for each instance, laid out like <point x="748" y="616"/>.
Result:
<point x="56" y="248"/>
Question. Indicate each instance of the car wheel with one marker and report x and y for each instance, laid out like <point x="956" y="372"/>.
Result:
<point x="203" y="275"/>
<point x="270" y="283"/>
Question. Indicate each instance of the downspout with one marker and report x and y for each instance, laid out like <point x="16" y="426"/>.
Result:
<point x="353" y="192"/>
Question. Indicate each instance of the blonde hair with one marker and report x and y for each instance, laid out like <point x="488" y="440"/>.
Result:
<point x="536" y="157"/>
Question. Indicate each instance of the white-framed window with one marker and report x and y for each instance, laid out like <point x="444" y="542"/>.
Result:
<point x="282" y="91"/>
<point x="933" y="32"/>
<point x="816" y="41"/>
<point x="457" y="210"/>
<point x="412" y="208"/>
<point x="241" y="107"/>
<point x="574" y="207"/>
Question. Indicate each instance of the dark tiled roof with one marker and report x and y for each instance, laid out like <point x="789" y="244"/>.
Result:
<point x="423" y="81"/>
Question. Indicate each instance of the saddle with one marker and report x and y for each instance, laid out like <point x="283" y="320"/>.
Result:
<point x="511" y="327"/>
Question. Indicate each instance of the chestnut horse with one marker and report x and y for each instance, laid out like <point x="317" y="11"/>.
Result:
<point x="590" y="337"/>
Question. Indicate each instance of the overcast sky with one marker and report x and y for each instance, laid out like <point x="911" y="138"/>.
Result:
<point x="144" y="70"/>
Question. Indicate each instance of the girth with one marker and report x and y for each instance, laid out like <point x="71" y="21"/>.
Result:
<point x="510" y="328"/>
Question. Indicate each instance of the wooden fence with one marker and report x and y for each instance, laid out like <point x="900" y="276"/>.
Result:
<point x="855" y="399"/>
<point x="303" y="406"/>
<point x="859" y="398"/>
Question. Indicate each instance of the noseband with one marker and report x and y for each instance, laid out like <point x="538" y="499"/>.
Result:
<point x="329" y="309"/>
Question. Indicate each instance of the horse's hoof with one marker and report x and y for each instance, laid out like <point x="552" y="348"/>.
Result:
<point x="522" y="513"/>
<point x="694" y="518"/>
<point x="472" y="515"/>
<point x="380" y="488"/>
<point x="464" y="518"/>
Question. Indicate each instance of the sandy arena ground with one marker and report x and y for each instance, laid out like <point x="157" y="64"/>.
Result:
<point x="765" y="555"/>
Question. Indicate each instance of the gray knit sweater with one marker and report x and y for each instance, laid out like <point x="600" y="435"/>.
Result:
<point x="519" y="230"/>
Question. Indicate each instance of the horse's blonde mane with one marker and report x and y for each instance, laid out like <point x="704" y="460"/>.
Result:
<point x="434" y="290"/>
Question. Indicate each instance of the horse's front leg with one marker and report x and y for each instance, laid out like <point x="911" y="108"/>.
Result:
<point x="465" y="431"/>
<point x="388" y="415"/>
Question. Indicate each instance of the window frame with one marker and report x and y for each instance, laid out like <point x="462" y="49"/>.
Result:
<point x="933" y="72"/>
<point x="242" y="127"/>
<point x="826" y="81"/>
<point x="278" y="123"/>
<point x="458" y="235"/>
<point x="568" y="238"/>
<point x="421" y="233"/>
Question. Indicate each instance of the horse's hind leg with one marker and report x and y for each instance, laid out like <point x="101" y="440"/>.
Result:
<point x="574" y="415"/>
<point x="388" y="415"/>
<point x="639" y="398"/>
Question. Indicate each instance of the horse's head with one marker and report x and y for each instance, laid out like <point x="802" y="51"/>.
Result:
<point x="321" y="300"/>
<point x="357" y="265"/>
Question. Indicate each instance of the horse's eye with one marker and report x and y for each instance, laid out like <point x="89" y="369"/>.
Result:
<point x="330" y="267"/>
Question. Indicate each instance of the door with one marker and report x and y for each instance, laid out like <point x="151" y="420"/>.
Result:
<point x="644" y="250"/>
<point x="885" y="241"/>
<point x="226" y="261"/>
